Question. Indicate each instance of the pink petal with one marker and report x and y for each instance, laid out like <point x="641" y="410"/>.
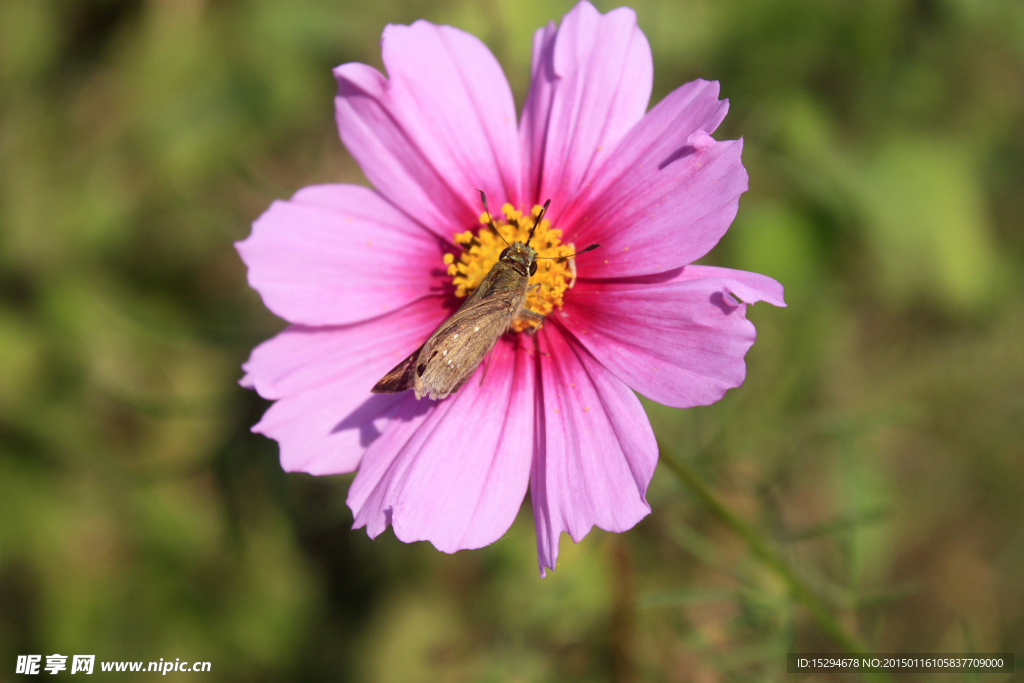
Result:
<point x="337" y="254"/>
<point x="325" y="416"/>
<point x="596" y="451"/>
<point x="456" y="474"/>
<point x="678" y="338"/>
<point x="667" y="194"/>
<point x="591" y="82"/>
<point x="442" y="126"/>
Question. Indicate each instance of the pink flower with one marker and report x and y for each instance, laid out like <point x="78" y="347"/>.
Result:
<point x="359" y="273"/>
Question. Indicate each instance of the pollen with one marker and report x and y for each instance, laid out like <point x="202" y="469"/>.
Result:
<point x="481" y="251"/>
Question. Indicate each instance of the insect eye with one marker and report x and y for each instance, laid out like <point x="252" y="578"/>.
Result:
<point x="503" y="254"/>
<point x="533" y="268"/>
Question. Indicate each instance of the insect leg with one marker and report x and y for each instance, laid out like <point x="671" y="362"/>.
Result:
<point x="528" y="316"/>
<point x="487" y="365"/>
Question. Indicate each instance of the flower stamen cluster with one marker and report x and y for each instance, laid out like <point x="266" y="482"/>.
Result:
<point x="481" y="251"/>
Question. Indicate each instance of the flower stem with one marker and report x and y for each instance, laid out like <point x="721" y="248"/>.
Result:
<point x="800" y="591"/>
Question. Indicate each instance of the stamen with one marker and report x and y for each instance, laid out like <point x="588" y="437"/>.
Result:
<point x="481" y="251"/>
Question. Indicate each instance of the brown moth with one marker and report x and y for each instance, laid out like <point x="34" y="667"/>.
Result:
<point x="452" y="353"/>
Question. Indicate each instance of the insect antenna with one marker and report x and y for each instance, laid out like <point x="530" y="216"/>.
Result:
<point x="490" y="221"/>
<point x="540" y="216"/>
<point x="584" y="251"/>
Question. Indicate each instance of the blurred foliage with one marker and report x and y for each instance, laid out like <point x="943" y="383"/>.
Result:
<point x="877" y="441"/>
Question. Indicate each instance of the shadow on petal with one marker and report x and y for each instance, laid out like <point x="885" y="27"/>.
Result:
<point x="681" y="153"/>
<point x="402" y="407"/>
<point x="726" y="305"/>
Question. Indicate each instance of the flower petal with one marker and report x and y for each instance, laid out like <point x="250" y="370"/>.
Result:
<point x="596" y="452"/>
<point x="337" y="254"/>
<point x="325" y="416"/>
<point x="678" y="338"/>
<point x="667" y="194"/>
<point x="442" y="127"/>
<point x="591" y="82"/>
<point x="455" y="475"/>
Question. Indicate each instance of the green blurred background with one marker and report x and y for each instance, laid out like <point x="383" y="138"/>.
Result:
<point x="877" y="442"/>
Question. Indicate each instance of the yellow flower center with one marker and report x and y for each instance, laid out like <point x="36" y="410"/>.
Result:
<point x="481" y="252"/>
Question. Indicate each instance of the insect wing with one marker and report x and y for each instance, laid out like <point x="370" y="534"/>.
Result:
<point x="400" y="378"/>
<point x="455" y="350"/>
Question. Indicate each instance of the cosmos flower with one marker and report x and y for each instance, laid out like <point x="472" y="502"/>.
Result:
<point x="364" y="276"/>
